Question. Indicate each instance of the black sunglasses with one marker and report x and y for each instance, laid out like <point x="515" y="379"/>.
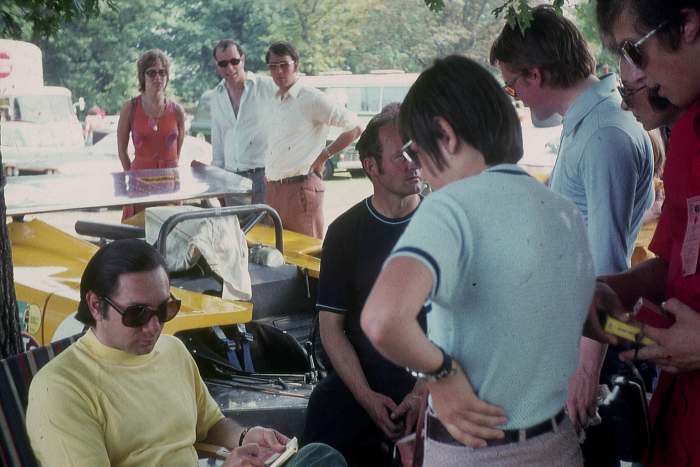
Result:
<point x="135" y="316"/>
<point x="153" y="73"/>
<point x="224" y="63"/>
<point x="409" y="153"/>
<point x="632" y="51"/>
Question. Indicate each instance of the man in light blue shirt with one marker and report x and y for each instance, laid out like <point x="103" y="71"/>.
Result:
<point x="238" y="134"/>
<point x="605" y="161"/>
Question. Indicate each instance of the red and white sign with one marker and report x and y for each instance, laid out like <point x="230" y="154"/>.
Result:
<point x="5" y="65"/>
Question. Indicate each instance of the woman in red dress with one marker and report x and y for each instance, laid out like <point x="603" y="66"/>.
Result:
<point x="156" y="124"/>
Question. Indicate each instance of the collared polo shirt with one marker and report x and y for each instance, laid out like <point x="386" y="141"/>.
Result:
<point x="240" y="142"/>
<point x="299" y="124"/>
<point x="605" y="166"/>
<point x="512" y="282"/>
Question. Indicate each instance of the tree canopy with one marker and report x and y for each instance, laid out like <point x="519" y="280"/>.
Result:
<point x="95" y="57"/>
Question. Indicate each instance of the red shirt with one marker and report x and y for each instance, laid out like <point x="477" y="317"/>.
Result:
<point x="678" y="433"/>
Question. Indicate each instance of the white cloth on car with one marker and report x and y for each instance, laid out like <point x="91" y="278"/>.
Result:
<point x="219" y="239"/>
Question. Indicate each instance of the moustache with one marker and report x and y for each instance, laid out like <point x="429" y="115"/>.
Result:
<point x="657" y="102"/>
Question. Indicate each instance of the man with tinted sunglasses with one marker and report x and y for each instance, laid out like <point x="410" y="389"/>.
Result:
<point x="238" y="133"/>
<point x="604" y="165"/>
<point x="123" y="395"/>
<point x="300" y="119"/>
<point x="660" y="40"/>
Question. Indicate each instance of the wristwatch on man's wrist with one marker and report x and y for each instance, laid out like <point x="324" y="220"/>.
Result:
<point x="446" y="369"/>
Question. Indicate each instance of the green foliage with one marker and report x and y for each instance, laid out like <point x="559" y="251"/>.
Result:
<point x="96" y="58"/>
<point x="585" y="20"/>
<point x="24" y="19"/>
<point x="517" y="12"/>
<point x="435" y="5"/>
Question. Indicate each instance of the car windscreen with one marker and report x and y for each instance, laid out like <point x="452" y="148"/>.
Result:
<point x="44" y="108"/>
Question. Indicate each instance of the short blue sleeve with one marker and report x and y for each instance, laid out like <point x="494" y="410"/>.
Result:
<point x="610" y="170"/>
<point x="439" y="237"/>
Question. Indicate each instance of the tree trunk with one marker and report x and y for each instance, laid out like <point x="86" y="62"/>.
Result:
<point x="10" y="336"/>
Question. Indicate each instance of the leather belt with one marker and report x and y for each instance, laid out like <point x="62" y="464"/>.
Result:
<point x="436" y="431"/>
<point x="244" y="173"/>
<point x="295" y="179"/>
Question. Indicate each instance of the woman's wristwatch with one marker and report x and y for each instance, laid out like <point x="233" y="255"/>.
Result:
<point x="446" y="369"/>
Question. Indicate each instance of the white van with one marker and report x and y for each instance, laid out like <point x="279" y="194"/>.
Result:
<point x="364" y="94"/>
<point x="37" y="122"/>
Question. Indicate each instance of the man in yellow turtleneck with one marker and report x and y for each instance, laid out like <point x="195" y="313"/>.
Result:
<point x="123" y="395"/>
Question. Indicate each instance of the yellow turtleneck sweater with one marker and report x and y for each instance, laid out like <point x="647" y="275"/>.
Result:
<point x="96" y="406"/>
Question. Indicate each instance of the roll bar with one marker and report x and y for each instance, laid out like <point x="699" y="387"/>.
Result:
<point x="259" y="209"/>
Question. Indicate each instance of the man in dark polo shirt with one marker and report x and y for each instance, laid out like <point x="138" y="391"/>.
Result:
<point x="365" y="403"/>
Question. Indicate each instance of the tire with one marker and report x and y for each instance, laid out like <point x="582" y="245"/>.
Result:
<point x="357" y="173"/>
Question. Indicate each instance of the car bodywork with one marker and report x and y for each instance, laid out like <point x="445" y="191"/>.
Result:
<point x="48" y="262"/>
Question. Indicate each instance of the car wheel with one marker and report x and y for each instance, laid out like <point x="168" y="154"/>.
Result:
<point x="357" y="173"/>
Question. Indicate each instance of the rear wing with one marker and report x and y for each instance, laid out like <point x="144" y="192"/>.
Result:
<point x="54" y="193"/>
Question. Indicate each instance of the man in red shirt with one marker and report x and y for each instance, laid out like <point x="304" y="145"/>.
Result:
<point x="661" y="39"/>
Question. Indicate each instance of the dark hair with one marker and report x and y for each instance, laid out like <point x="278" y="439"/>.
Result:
<point x="470" y="99"/>
<point x="551" y="43"/>
<point x="282" y="48"/>
<point x="369" y="144"/>
<point x="101" y="275"/>
<point x="146" y="61"/>
<point x="224" y="44"/>
<point x="648" y="14"/>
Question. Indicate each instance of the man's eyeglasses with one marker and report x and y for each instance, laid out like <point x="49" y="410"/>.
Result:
<point x="509" y="88"/>
<point x="283" y="66"/>
<point x="632" y="51"/>
<point x="626" y="93"/>
<point x="225" y="63"/>
<point x="409" y="154"/>
<point x="135" y="316"/>
<point x="152" y="73"/>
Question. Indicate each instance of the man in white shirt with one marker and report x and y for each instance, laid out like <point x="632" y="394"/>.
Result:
<point x="238" y="134"/>
<point x="299" y="122"/>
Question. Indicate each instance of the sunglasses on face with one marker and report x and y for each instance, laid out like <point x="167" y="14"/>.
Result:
<point x="632" y="51"/>
<point x="152" y="73"/>
<point x="409" y="154"/>
<point x="225" y="63"/>
<point x="134" y="316"/>
<point x="282" y="66"/>
<point x="509" y="88"/>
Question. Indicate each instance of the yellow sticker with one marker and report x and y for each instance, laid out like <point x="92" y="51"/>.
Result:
<point x="32" y="318"/>
<point x="158" y="179"/>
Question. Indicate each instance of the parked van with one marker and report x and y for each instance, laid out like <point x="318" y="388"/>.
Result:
<point x="38" y="121"/>
<point x="364" y="94"/>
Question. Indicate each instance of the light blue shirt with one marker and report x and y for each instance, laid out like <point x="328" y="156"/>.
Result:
<point x="512" y="281"/>
<point x="605" y="166"/>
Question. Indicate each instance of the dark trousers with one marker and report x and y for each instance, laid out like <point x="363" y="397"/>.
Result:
<point x="334" y="417"/>
<point x="598" y="451"/>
